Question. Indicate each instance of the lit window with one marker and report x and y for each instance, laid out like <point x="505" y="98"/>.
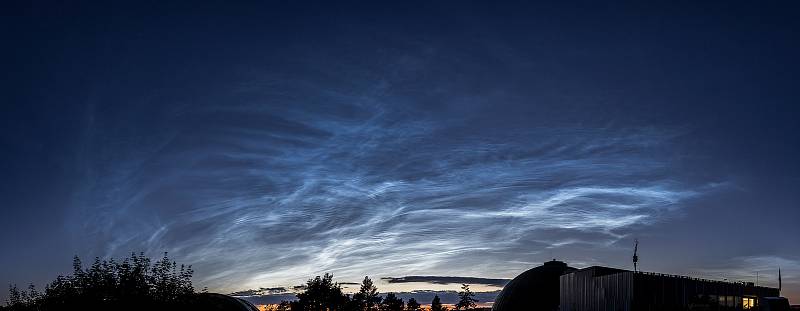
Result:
<point x="748" y="303"/>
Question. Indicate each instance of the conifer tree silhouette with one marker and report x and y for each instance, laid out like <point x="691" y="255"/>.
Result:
<point x="412" y="305"/>
<point x="436" y="304"/>
<point x="466" y="298"/>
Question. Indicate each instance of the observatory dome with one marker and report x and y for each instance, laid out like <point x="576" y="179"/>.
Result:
<point x="219" y="302"/>
<point x="535" y="289"/>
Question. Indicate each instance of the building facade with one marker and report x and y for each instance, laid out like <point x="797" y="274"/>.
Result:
<point x="609" y="289"/>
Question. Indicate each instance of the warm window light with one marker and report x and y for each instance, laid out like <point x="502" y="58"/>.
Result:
<point x="748" y="303"/>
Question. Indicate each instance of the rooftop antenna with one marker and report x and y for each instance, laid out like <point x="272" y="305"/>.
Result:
<point x="779" y="281"/>
<point x="635" y="255"/>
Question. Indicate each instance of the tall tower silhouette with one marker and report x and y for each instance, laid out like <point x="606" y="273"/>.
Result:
<point x="635" y="255"/>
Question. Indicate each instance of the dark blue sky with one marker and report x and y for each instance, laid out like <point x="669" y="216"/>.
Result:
<point x="269" y="142"/>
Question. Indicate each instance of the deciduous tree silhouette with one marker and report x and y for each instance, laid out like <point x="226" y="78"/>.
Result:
<point x="392" y="303"/>
<point x="321" y="294"/>
<point x="22" y="299"/>
<point x="107" y="284"/>
<point x="466" y="298"/>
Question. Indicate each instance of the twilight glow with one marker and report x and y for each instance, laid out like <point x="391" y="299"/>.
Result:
<point x="465" y="141"/>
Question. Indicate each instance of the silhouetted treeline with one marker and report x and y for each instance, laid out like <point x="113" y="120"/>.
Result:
<point x="322" y="294"/>
<point x="129" y="284"/>
<point x="137" y="283"/>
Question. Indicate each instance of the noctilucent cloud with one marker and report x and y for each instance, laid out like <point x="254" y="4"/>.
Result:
<point x="269" y="143"/>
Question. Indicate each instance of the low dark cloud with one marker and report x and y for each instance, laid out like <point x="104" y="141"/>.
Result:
<point x="260" y="291"/>
<point x="446" y="280"/>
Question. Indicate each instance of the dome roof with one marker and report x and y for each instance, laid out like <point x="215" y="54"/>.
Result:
<point x="219" y="302"/>
<point x="535" y="289"/>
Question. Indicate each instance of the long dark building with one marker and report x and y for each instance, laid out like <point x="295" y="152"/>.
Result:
<point x="602" y="288"/>
<point x="554" y="286"/>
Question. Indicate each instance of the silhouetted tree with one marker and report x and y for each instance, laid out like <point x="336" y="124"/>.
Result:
<point x="391" y="303"/>
<point x="436" y="304"/>
<point x="21" y="299"/>
<point x="108" y="284"/>
<point x="412" y="305"/>
<point x="169" y="283"/>
<point x="466" y="298"/>
<point x="367" y="298"/>
<point x="322" y="294"/>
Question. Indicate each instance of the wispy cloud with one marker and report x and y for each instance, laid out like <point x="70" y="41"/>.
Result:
<point x="364" y="185"/>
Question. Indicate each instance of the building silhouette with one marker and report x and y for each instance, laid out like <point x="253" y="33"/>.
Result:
<point x="537" y="287"/>
<point x="556" y="286"/>
<point x="603" y="288"/>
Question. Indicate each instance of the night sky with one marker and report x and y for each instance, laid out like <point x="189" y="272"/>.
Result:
<point x="266" y="143"/>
